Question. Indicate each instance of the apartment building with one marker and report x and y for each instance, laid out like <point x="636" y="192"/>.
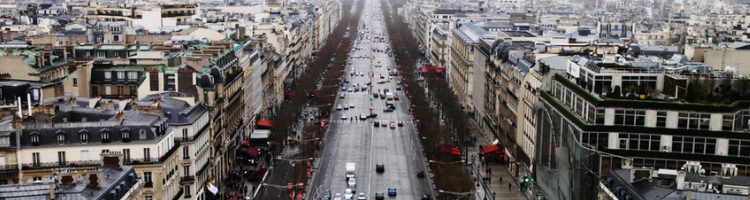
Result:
<point x="70" y="132"/>
<point x="586" y="135"/>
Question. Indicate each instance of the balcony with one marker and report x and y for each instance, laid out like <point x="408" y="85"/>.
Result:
<point x="8" y="167"/>
<point x="163" y="158"/>
<point x="148" y="185"/>
<point x="187" y="179"/>
<point x="31" y="166"/>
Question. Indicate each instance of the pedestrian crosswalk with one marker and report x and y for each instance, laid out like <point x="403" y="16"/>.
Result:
<point x="368" y="121"/>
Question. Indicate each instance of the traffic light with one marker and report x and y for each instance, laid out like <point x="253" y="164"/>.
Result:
<point x="527" y="179"/>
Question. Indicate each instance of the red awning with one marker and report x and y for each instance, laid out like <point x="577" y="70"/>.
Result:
<point x="289" y="94"/>
<point x="452" y="150"/>
<point x="264" y="123"/>
<point x="491" y="149"/>
<point x="252" y="151"/>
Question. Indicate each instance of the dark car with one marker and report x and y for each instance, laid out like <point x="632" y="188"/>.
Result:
<point x="380" y="168"/>
<point x="389" y="109"/>
<point x="391" y="191"/>
<point x="373" y="115"/>
<point x="420" y="174"/>
<point x="376" y="123"/>
<point x="426" y="197"/>
<point x="379" y="196"/>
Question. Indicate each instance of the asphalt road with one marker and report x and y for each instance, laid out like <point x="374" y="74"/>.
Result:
<point x="359" y="141"/>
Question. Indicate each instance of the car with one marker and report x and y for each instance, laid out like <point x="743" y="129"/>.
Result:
<point x="375" y="94"/>
<point x="337" y="196"/>
<point x="382" y="96"/>
<point x="349" y="90"/>
<point x="426" y="197"/>
<point x="384" y="123"/>
<point x="348" y="194"/>
<point x="353" y="188"/>
<point x="399" y="82"/>
<point x="381" y="81"/>
<point x="391" y="191"/>
<point x="395" y="97"/>
<point x="420" y="174"/>
<point x="343" y="88"/>
<point x="398" y="87"/>
<point x="393" y="125"/>
<point x="379" y="196"/>
<point x="346" y="107"/>
<point x="401" y="123"/>
<point x="344" y="117"/>
<point x="351" y="106"/>
<point x="376" y="123"/>
<point x="361" y="196"/>
<point x="380" y="167"/>
<point x="389" y="109"/>
<point x="327" y="193"/>
<point x="338" y="107"/>
<point x="372" y="115"/>
<point x="362" y="116"/>
<point x="341" y="95"/>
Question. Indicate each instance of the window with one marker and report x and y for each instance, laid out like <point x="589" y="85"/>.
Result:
<point x="696" y="145"/>
<point x="142" y="134"/>
<point x="595" y="139"/>
<point x="125" y="135"/>
<point x="147" y="179"/>
<point x="126" y="155"/>
<point x="61" y="157"/>
<point x="114" y="28"/>
<point x="187" y="191"/>
<point x="132" y="75"/>
<point x="37" y="178"/>
<point x="630" y="117"/>
<point x="133" y="90"/>
<point x="120" y="75"/>
<point x="60" y="137"/>
<point x="640" y="142"/>
<point x="75" y="82"/>
<point x="661" y="119"/>
<point x="116" y="38"/>
<point x="107" y="90"/>
<point x="4" y="141"/>
<point x="35" y="160"/>
<point x="185" y="133"/>
<point x="107" y="75"/>
<point x="94" y="90"/>
<point x="120" y="90"/>
<point x="149" y="198"/>
<point x="185" y="171"/>
<point x="185" y="152"/>
<point x="739" y="148"/>
<point x="146" y="154"/>
<point x="84" y="135"/>
<point x="105" y="135"/>
<point x="693" y="121"/>
<point x="727" y="123"/>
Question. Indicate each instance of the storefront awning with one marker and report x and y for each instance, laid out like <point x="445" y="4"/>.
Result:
<point x="451" y="150"/>
<point x="260" y="134"/>
<point x="492" y="149"/>
<point x="252" y="151"/>
<point x="264" y="123"/>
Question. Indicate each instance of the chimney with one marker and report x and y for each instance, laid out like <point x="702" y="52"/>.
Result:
<point x="93" y="178"/>
<point x="51" y="190"/>
<point x="120" y="117"/>
<point x="73" y="102"/>
<point x="50" y="120"/>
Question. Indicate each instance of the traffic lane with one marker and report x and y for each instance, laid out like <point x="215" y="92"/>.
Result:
<point x="392" y="147"/>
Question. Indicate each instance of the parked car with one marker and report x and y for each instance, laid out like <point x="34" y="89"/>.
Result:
<point x="380" y="167"/>
<point x="426" y="197"/>
<point x="338" y="107"/>
<point x="373" y="115"/>
<point x="420" y="174"/>
<point x="391" y="191"/>
<point x="361" y="196"/>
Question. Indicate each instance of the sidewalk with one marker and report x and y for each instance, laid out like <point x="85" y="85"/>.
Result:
<point x="499" y="176"/>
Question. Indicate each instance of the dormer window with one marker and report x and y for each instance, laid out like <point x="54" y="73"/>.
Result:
<point x="125" y="135"/>
<point x="105" y="135"/>
<point x="35" y="139"/>
<point x="84" y="135"/>
<point x="61" y="137"/>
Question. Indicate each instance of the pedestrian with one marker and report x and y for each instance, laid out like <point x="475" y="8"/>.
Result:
<point x="489" y="170"/>
<point x="510" y="186"/>
<point x="501" y="179"/>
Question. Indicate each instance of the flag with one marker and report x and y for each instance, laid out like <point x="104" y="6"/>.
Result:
<point x="213" y="189"/>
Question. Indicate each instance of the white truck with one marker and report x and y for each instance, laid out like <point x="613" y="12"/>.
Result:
<point x="389" y="95"/>
<point x="350" y="168"/>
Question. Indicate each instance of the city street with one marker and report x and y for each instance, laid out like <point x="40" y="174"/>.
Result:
<point x="354" y="140"/>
